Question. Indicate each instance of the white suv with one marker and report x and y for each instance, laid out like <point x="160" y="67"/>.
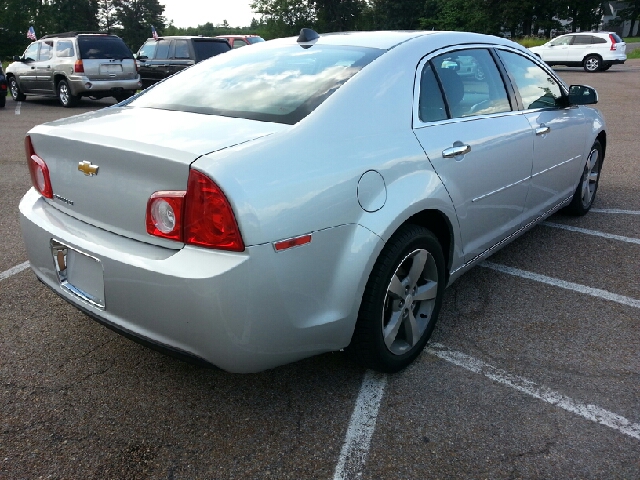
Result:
<point x="594" y="51"/>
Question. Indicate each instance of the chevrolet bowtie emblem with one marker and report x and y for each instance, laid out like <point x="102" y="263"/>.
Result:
<point x="88" y="169"/>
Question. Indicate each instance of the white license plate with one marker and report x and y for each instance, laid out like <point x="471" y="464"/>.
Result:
<point x="110" y="68"/>
<point x="79" y="273"/>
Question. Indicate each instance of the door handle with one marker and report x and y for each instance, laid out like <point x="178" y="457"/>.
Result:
<point x="542" y="130"/>
<point x="456" y="150"/>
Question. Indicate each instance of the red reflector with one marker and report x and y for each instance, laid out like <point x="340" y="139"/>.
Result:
<point x="208" y="218"/>
<point x="38" y="170"/>
<point x="78" y="67"/>
<point x="3" y="87"/>
<point x="292" y="242"/>
<point x="164" y="214"/>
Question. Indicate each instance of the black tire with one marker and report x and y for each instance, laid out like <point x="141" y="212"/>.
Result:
<point x="376" y="344"/>
<point x="16" y="94"/>
<point x="592" y="63"/>
<point x="66" y="98"/>
<point x="3" y="100"/>
<point x="121" y="97"/>
<point x="586" y="190"/>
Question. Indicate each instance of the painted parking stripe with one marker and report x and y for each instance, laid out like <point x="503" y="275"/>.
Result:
<point x="595" y="233"/>
<point x="615" y="210"/>
<point x="363" y="422"/>
<point x="14" y="270"/>
<point x="18" y="105"/>
<point x="556" y="282"/>
<point x="588" y="411"/>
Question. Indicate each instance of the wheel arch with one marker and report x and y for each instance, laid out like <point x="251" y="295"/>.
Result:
<point x="592" y="55"/>
<point x="602" y="138"/>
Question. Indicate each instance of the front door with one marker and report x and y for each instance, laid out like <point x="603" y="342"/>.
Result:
<point x="26" y="71"/>
<point x="481" y="149"/>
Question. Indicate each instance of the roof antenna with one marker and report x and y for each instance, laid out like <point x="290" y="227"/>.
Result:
<point x="307" y="35"/>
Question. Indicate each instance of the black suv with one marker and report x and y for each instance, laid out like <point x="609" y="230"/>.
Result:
<point x="158" y="59"/>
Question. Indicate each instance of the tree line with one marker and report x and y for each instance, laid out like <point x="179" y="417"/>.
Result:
<point x="132" y="19"/>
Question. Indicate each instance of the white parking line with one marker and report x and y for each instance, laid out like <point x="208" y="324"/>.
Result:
<point x="595" y="233"/>
<point x="14" y="270"/>
<point x="590" y="412"/>
<point x="19" y="104"/>
<point x="615" y="210"/>
<point x="576" y="287"/>
<point x="363" y="422"/>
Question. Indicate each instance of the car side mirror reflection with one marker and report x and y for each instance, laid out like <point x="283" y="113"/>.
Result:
<point x="582" y="95"/>
<point x="16" y="58"/>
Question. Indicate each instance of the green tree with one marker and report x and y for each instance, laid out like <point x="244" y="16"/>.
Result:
<point x="398" y="14"/>
<point x="283" y="18"/>
<point x="631" y="12"/>
<point x="136" y="17"/>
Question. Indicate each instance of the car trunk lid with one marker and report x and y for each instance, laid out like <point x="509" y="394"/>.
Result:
<point x="105" y="165"/>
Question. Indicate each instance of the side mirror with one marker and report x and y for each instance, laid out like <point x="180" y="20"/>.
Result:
<point x="582" y="95"/>
<point x="142" y="58"/>
<point x="16" y="58"/>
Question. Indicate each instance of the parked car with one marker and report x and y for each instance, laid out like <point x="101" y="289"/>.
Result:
<point x="71" y="65"/>
<point x="594" y="51"/>
<point x="3" y="88"/>
<point x="306" y="195"/>
<point x="237" y="41"/>
<point x="159" y="59"/>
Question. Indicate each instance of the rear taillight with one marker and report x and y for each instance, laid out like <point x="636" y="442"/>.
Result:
<point x="38" y="170"/>
<point x="613" y="42"/>
<point x="78" y="67"/>
<point x="200" y="216"/>
<point x="164" y="214"/>
<point x="3" y="87"/>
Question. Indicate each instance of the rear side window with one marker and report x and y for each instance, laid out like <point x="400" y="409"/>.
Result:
<point x="253" y="40"/>
<point x="269" y="83"/>
<point x="472" y="83"/>
<point x="537" y="88"/>
<point x="46" y="50"/>
<point x="206" y="49"/>
<point x="64" y="48"/>
<point x="181" y="49"/>
<point x="582" y="40"/>
<point x="102" y="46"/>
<point x="162" y="50"/>
<point x="599" y="40"/>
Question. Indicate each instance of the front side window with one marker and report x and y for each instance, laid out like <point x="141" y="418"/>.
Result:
<point x="269" y="83"/>
<point x="162" y="50"/>
<point x="564" y="40"/>
<point x="472" y="83"/>
<point x="148" y="49"/>
<point x="537" y="88"/>
<point x="64" y="48"/>
<point x="31" y="53"/>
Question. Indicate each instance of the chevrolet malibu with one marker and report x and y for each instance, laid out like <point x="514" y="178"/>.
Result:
<point x="306" y="195"/>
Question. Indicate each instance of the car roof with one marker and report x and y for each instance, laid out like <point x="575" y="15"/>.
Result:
<point x="386" y="40"/>
<point x="184" y="37"/>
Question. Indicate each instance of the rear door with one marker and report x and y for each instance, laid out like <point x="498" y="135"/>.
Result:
<point x="480" y="147"/>
<point x="44" y="68"/>
<point x="181" y="56"/>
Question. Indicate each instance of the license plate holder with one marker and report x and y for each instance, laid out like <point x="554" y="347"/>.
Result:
<point x="79" y="273"/>
<point x="107" y="68"/>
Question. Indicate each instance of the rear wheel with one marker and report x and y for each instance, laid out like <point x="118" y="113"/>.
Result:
<point x="592" y="63"/>
<point x="67" y="99"/>
<point x="16" y="94"/>
<point x="401" y="301"/>
<point x="585" y="193"/>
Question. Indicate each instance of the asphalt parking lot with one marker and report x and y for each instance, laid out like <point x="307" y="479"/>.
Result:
<point x="533" y="370"/>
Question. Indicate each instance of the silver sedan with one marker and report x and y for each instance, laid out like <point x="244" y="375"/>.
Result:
<point x="306" y="195"/>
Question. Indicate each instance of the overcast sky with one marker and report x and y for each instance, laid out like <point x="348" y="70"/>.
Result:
<point x="191" y="13"/>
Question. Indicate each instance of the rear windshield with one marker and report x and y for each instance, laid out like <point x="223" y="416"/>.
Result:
<point x="617" y="38"/>
<point x="98" y="46"/>
<point x="207" y="48"/>
<point x="269" y="83"/>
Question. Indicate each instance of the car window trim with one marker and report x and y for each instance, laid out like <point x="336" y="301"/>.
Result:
<point x="416" y="123"/>
<point x="537" y="61"/>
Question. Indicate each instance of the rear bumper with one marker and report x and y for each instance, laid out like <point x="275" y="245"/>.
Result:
<point x="243" y="312"/>
<point x="81" y="85"/>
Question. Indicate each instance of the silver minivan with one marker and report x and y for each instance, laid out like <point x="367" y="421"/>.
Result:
<point x="71" y="65"/>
